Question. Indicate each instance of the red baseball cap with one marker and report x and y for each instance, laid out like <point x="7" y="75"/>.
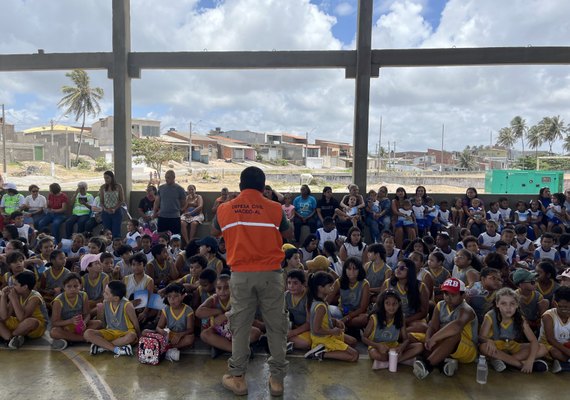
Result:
<point x="453" y="285"/>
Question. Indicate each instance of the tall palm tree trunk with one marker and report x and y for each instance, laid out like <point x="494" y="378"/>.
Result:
<point x="80" y="138"/>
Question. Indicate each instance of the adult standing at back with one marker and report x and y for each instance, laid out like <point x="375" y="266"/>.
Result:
<point x="112" y="197"/>
<point x="253" y="228"/>
<point x="168" y="204"/>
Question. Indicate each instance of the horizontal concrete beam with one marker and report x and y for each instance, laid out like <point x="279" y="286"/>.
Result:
<point x="55" y="61"/>
<point x="471" y="56"/>
<point x="345" y="59"/>
<point x="244" y="59"/>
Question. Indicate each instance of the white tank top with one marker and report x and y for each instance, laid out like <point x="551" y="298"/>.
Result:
<point x="561" y="330"/>
<point x="354" y="251"/>
<point x="133" y="286"/>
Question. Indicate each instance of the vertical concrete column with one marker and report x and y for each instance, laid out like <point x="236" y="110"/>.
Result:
<point x="122" y="154"/>
<point x="362" y="92"/>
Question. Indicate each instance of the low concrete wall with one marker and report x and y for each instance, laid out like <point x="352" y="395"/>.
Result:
<point x="209" y="198"/>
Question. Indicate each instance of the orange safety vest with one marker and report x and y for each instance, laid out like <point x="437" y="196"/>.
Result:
<point x="250" y="227"/>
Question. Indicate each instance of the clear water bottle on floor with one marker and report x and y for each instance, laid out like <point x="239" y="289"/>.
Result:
<point x="482" y="370"/>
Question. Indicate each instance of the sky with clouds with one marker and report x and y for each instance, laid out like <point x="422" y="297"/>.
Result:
<point x="414" y="103"/>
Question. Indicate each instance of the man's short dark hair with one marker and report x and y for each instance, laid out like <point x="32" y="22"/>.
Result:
<point x="252" y="178"/>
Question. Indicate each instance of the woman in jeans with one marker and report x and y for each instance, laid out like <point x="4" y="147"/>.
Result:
<point x="55" y="214"/>
<point x="112" y="198"/>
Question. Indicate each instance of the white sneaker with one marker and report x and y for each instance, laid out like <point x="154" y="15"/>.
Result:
<point x="16" y="342"/>
<point x="172" y="355"/>
<point x="94" y="350"/>
<point x="59" y="344"/>
<point x="450" y="366"/>
<point x="316" y="353"/>
<point x="556" y="367"/>
<point x="377" y="364"/>
<point x="124" y="351"/>
<point x="498" y="365"/>
<point x="420" y="370"/>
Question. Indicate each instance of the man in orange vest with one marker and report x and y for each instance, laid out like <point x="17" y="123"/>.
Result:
<point x="253" y="228"/>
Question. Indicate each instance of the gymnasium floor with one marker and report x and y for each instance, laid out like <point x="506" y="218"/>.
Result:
<point x="36" y="372"/>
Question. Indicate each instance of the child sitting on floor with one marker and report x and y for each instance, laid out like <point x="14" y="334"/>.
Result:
<point x="120" y="320"/>
<point x="70" y="314"/>
<point x="216" y="307"/>
<point x="23" y="312"/>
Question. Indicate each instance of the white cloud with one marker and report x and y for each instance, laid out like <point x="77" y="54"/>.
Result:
<point x="344" y="9"/>
<point x="402" y="27"/>
<point x="471" y="101"/>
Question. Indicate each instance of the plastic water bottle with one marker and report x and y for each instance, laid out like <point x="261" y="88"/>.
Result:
<point x="392" y="361"/>
<point x="482" y="370"/>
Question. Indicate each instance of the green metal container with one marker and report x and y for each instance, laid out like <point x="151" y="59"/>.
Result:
<point x="523" y="182"/>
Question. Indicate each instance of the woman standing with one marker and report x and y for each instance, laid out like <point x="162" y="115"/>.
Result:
<point x="57" y="203"/>
<point x="193" y="215"/>
<point x="112" y="198"/>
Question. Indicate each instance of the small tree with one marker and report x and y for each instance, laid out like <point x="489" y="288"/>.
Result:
<point x="552" y="129"/>
<point x="154" y="153"/>
<point x="466" y="160"/>
<point x="519" y="128"/>
<point x="507" y="138"/>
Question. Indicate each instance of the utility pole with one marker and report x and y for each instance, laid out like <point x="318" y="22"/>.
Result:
<point x="51" y="150"/>
<point x="67" y="155"/>
<point x="307" y="150"/>
<point x="379" y="145"/>
<point x="442" y="134"/>
<point x="4" y="138"/>
<point x="190" y="149"/>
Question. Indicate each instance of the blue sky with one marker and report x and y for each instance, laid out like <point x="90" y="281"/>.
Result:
<point x="472" y="102"/>
<point x="345" y="12"/>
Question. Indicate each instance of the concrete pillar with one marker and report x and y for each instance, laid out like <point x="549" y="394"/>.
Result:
<point x="362" y="92"/>
<point x="122" y="156"/>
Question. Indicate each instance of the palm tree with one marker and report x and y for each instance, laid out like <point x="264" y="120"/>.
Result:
<point x="534" y="138"/>
<point x="81" y="100"/>
<point x="566" y="144"/>
<point x="466" y="160"/>
<point x="551" y="130"/>
<point x="519" y="128"/>
<point x="507" y="139"/>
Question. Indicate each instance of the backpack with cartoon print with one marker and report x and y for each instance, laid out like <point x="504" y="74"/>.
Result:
<point x="152" y="348"/>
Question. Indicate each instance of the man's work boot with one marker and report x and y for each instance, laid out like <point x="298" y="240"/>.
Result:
<point x="237" y="384"/>
<point x="275" y="387"/>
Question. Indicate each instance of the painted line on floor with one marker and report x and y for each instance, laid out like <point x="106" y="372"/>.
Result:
<point x="95" y="381"/>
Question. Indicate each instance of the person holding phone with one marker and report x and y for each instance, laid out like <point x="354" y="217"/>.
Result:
<point x="81" y="211"/>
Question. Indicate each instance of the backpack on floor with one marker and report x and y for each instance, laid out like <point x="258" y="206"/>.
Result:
<point x="152" y="348"/>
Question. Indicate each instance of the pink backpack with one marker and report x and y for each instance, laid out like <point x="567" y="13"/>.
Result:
<point x="152" y="348"/>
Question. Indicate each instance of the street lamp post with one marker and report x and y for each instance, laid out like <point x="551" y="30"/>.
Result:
<point x="190" y="148"/>
<point x="4" y="138"/>
<point x="307" y="147"/>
